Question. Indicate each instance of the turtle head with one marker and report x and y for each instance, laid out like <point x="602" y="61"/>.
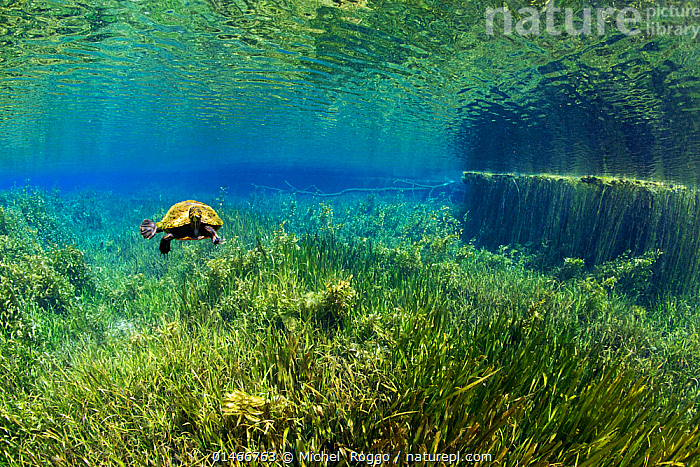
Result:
<point x="196" y="218"/>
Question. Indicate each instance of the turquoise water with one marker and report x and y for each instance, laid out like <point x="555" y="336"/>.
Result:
<point x="259" y="90"/>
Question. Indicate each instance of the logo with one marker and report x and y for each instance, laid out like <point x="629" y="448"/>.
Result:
<point x="554" y="21"/>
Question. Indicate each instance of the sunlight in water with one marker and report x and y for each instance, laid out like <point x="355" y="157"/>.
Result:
<point x="398" y="86"/>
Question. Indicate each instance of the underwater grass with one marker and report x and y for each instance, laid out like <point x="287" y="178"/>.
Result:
<point x="594" y="219"/>
<point x="397" y="340"/>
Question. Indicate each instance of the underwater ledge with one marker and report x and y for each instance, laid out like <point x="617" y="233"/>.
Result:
<point x="592" y="218"/>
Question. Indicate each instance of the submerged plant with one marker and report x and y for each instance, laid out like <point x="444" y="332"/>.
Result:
<point x="254" y="411"/>
<point x="339" y="297"/>
<point x="351" y="339"/>
<point x="87" y="211"/>
<point x="331" y="305"/>
<point x="629" y="275"/>
<point x="70" y="262"/>
<point x="571" y="269"/>
<point x="3" y="222"/>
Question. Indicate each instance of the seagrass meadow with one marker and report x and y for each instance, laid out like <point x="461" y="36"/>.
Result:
<point x="358" y="324"/>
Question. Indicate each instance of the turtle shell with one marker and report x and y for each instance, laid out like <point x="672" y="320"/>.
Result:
<point x="179" y="215"/>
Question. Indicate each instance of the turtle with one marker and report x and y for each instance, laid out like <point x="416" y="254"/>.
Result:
<point x="186" y="220"/>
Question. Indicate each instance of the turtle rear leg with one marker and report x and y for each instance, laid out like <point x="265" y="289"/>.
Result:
<point x="214" y="237"/>
<point x="149" y="229"/>
<point x="165" y="243"/>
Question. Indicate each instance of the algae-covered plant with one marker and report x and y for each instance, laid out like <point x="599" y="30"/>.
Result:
<point x="358" y="326"/>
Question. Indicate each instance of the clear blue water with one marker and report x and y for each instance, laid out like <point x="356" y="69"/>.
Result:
<point x="234" y="91"/>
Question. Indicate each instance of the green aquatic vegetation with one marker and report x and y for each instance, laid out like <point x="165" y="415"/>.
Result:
<point x="417" y="237"/>
<point x="15" y="320"/>
<point x="331" y="306"/>
<point x="627" y="275"/>
<point x="39" y="281"/>
<point x="32" y="283"/>
<point x="405" y="258"/>
<point x="237" y="262"/>
<point x="326" y="219"/>
<point x="223" y="193"/>
<point x="50" y="279"/>
<point x="87" y="212"/>
<point x="631" y="275"/>
<point x="3" y="222"/>
<point x="294" y="340"/>
<point x="42" y="212"/>
<point x="594" y="299"/>
<point x="284" y="242"/>
<point x="594" y="219"/>
<point x="572" y="268"/>
<point x="14" y="248"/>
<point x="254" y="412"/>
<point x="250" y="282"/>
<point x="35" y="279"/>
<point x="390" y="219"/>
<point x="70" y="263"/>
<point x="130" y="288"/>
<point x="139" y="297"/>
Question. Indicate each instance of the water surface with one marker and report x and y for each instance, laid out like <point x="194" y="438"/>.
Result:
<point x="388" y="88"/>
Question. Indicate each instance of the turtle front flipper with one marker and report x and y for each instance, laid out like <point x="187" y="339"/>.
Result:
<point x="148" y="229"/>
<point x="214" y="237"/>
<point x="165" y="243"/>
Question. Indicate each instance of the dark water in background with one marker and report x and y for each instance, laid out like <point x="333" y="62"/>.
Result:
<point x="227" y="91"/>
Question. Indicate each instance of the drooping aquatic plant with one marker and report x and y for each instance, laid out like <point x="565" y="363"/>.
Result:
<point x="591" y="218"/>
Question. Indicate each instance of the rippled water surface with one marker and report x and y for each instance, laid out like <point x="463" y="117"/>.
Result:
<point x="397" y="88"/>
